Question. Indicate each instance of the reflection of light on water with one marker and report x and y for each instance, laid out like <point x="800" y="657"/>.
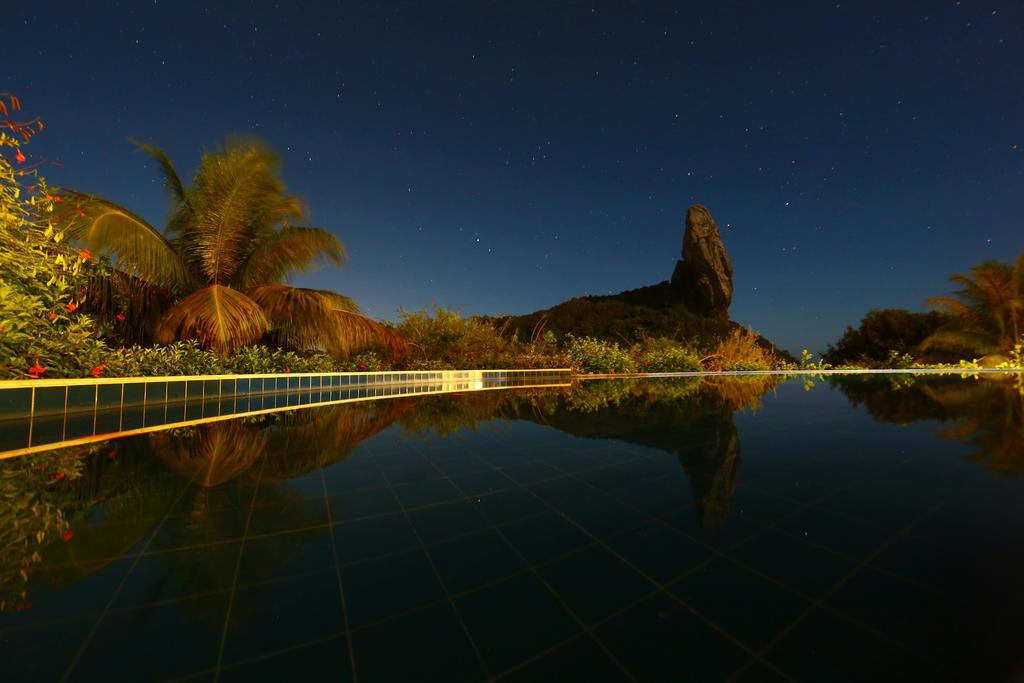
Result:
<point x="218" y="398"/>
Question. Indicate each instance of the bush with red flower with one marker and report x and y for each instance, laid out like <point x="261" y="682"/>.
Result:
<point x="42" y="278"/>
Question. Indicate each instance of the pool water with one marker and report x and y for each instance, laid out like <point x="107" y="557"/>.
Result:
<point x="628" y="530"/>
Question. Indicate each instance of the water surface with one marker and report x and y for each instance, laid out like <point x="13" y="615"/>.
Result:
<point x="648" y="530"/>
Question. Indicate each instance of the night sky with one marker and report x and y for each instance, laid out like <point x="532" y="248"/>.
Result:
<point x="503" y="157"/>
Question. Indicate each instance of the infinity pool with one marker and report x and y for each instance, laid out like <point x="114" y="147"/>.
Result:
<point x="645" y="530"/>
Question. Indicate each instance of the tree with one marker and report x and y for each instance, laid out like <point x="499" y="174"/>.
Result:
<point x="882" y="332"/>
<point x="987" y="313"/>
<point x="218" y="271"/>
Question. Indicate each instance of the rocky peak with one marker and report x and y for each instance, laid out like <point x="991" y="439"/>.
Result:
<point x="703" y="277"/>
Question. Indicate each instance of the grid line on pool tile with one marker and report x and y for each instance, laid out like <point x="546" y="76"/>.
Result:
<point x="531" y="567"/>
<point x="802" y="507"/>
<point x="337" y="573"/>
<point x="819" y="602"/>
<point x="771" y="526"/>
<point x="84" y="645"/>
<point x="659" y="586"/>
<point x="234" y="580"/>
<point x="437" y="575"/>
<point x="721" y="553"/>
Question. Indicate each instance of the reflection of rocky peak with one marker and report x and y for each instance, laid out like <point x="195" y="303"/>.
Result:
<point x="713" y="469"/>
<point x="697" y="427"/>
<point x="704" y="275"/>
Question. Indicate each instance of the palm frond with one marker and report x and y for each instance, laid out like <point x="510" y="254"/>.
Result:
<point x="218" y="317"/>
<point x="960" y="339"/>
<point x="137" y="247"/>
<point x="354" y="332"/>
<point x="291" y="249"/>
<point x="130" y="305"/>
<point x="172" y="182"/>
<point x="211" y="454"/>
<point x="236" y="198"/>
<point x="309" y="319"/>
<point x="949" y="305"/>
<point x="1017" y="276"/>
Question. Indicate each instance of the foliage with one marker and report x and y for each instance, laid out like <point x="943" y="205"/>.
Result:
<point x="986" y="413"/>
<point x="986" y="313"/>
<point x="367" y="361"/>
<point x="442" y="339"/>
<point x="215" y="273"/>
<point x="590" y="355"/>
<point x="807" y="362"/>
<point x="664" y="355"/>
<point x="741" y="349"/>
<point x="624" y="317"/>
<point x="43" y="332"/>
<point x="188" y="358"/>
<point x="34" y="493"/>
<point x="884" y="331"/>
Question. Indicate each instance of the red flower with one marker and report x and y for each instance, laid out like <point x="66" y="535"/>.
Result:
<point x="36" y="370"/>
<point x="362" y="366"/>
<point x="68" y="535"/>
<point x="19" y="157"/>
<point x="85" y="254"/>
<point x="57" y="476"/>
<point x="287" y="369"/>
<point x="613" y="371"/>
<point x="71" y="306"/>
<point x="112" y="454"/>
<point x="96" y="371"/>
<point x="119" y="316"/>
<point x="52" y="316"/>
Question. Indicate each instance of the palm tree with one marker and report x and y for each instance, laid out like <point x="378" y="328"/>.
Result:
<point x="987" y="312"/>
<point x="217" y="273"/>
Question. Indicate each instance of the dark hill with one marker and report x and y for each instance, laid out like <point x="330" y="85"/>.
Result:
<point x="694" y="304"/>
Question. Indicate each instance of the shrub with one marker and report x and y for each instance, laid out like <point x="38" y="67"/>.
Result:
<point x="587" y="354"/>
<point x="42" y="279"/>
<point x="740" y="350"/>
<point x="442" y="335"/>
<point x="368" y="361"/>
<point x="664" y="355"/>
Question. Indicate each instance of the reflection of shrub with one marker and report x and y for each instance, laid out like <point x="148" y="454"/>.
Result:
<point x="34" y="495"/>
<point x="588" y="354"/>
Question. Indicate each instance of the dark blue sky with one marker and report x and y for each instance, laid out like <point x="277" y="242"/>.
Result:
<point x="503" y="157"/>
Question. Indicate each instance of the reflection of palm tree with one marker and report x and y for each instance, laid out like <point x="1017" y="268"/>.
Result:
<point x="210" y="454"/>
<point x="990" y="418"/>
<point x="215" y="273"/>
<point x="305" y="440"/>
<point x="987" y="413"/>
<point x="988" y="310"/>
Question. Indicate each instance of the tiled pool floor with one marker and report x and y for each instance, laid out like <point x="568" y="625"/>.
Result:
<point x="541" y="549"/>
